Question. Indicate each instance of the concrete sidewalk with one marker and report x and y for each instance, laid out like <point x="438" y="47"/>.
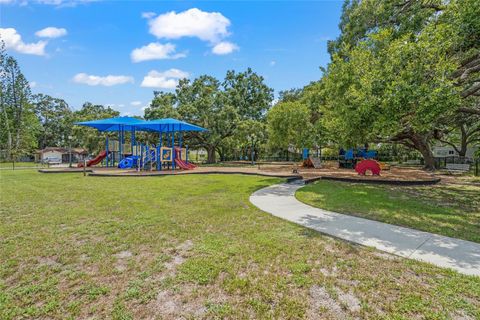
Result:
<point x="460" y="255"/>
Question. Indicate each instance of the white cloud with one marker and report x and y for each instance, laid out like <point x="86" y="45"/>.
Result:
<point x="272" y="63"/>
<point x="13" y="40"/>
<point x="108" y="81"/>
<point x="207" y="26"/>
<point x="51" y="32"/>
<point x="33" y="84"/>
<point x="224" y="48"/>
<point x="148" y="15"/>
<point x="155" y="51"/>
<point x="136" y="103"/>
<point x="163" y="80"/>
<point x="5" y="1"/>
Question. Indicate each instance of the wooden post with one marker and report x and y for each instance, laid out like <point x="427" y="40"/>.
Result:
<point x="84" y="167"/>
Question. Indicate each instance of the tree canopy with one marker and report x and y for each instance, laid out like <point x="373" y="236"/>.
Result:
<point x="225" y="108"/>
<point x="394" y="71"/>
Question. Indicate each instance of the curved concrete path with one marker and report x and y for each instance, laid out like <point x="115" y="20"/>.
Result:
<point x="460" y="255"/>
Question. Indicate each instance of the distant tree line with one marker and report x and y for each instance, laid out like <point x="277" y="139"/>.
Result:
<point x="234" y="111"/>
<point x="31" y="121"/>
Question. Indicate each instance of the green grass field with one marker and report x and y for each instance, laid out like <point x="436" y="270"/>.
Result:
<point x="194" y="247"/>
<point x="449" y="209"/>
<point x="10" y="165"/>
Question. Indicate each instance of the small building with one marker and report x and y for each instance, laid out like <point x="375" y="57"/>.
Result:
<point x="447" y="151"/>
<point x="60" y="155"/>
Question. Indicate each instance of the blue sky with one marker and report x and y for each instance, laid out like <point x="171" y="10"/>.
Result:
<point x="118" y="52"/>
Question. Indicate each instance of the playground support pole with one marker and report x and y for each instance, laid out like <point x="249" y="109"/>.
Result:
<point x="141" y="157"/>
<point x="132" y="138"/>
<point x="186" y="154"/>
<point x="161" y="145"/>
<point x="180" y="141"/>
<point x="106" y="150"/>
<point x="173" y="149"/>
<point x="120" y="144"/>
<point x="123" y="142"/>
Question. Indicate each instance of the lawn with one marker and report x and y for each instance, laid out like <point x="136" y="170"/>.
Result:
<point x="9" y="165"/>
<point x="451" y="209"/>
<point x="193" y="246"/>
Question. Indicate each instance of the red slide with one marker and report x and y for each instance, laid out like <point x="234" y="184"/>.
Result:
<point x="95" y="160"/>
<point x="182" y="164"/>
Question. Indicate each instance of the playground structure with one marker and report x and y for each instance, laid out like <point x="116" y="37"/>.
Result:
<point x="361" y="159"/>
<point x="368" y="164"/>
<point x="309" y="161"/>
<point x="349" y="158"/>
<point x="164" y="155"/>
<point x="99" y="158"/>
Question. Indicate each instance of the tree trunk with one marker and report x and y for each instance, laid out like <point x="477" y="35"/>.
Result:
<point x="211" y="154"/>
<point x="221" y="153"/>
<point x="463" y="141"/>
<point x="421" y="143"/>
<point x="9" y="135"/>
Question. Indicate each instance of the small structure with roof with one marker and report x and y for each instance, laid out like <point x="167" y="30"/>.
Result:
<point x="60" y="155"/>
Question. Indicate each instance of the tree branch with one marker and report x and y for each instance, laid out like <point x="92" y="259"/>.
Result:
<point x="471" y="90"/>
<point x="450" y="144"/>
<point x="469" y="110"/>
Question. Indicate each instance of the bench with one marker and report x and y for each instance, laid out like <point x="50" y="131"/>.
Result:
<point x="458" y="167"/>
<point x="414" y="162"/>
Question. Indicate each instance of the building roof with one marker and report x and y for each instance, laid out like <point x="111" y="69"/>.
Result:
<point x="63" y="150"/>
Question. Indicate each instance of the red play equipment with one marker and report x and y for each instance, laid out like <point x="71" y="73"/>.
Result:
<point x="180" y="163"/>
<point x="95" y="160"/>
<point x="368" y="164"/>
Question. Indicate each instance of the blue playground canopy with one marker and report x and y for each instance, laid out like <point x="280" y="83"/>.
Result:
<point x="128" y="123"/>
<point x="113" y="124"/>
<point x="168" y="125"/>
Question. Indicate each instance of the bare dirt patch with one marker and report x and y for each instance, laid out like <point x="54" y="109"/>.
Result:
<point x="349" y="301"/>
<point x="461" y="315"/>
<point x="321" y="301"/>
<point x="181" y="304"/>
<point x="332" y="305"/>
<point x="122" y="259"/>
<point x="386" y="256"/>
<point x="48" y="261"/>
